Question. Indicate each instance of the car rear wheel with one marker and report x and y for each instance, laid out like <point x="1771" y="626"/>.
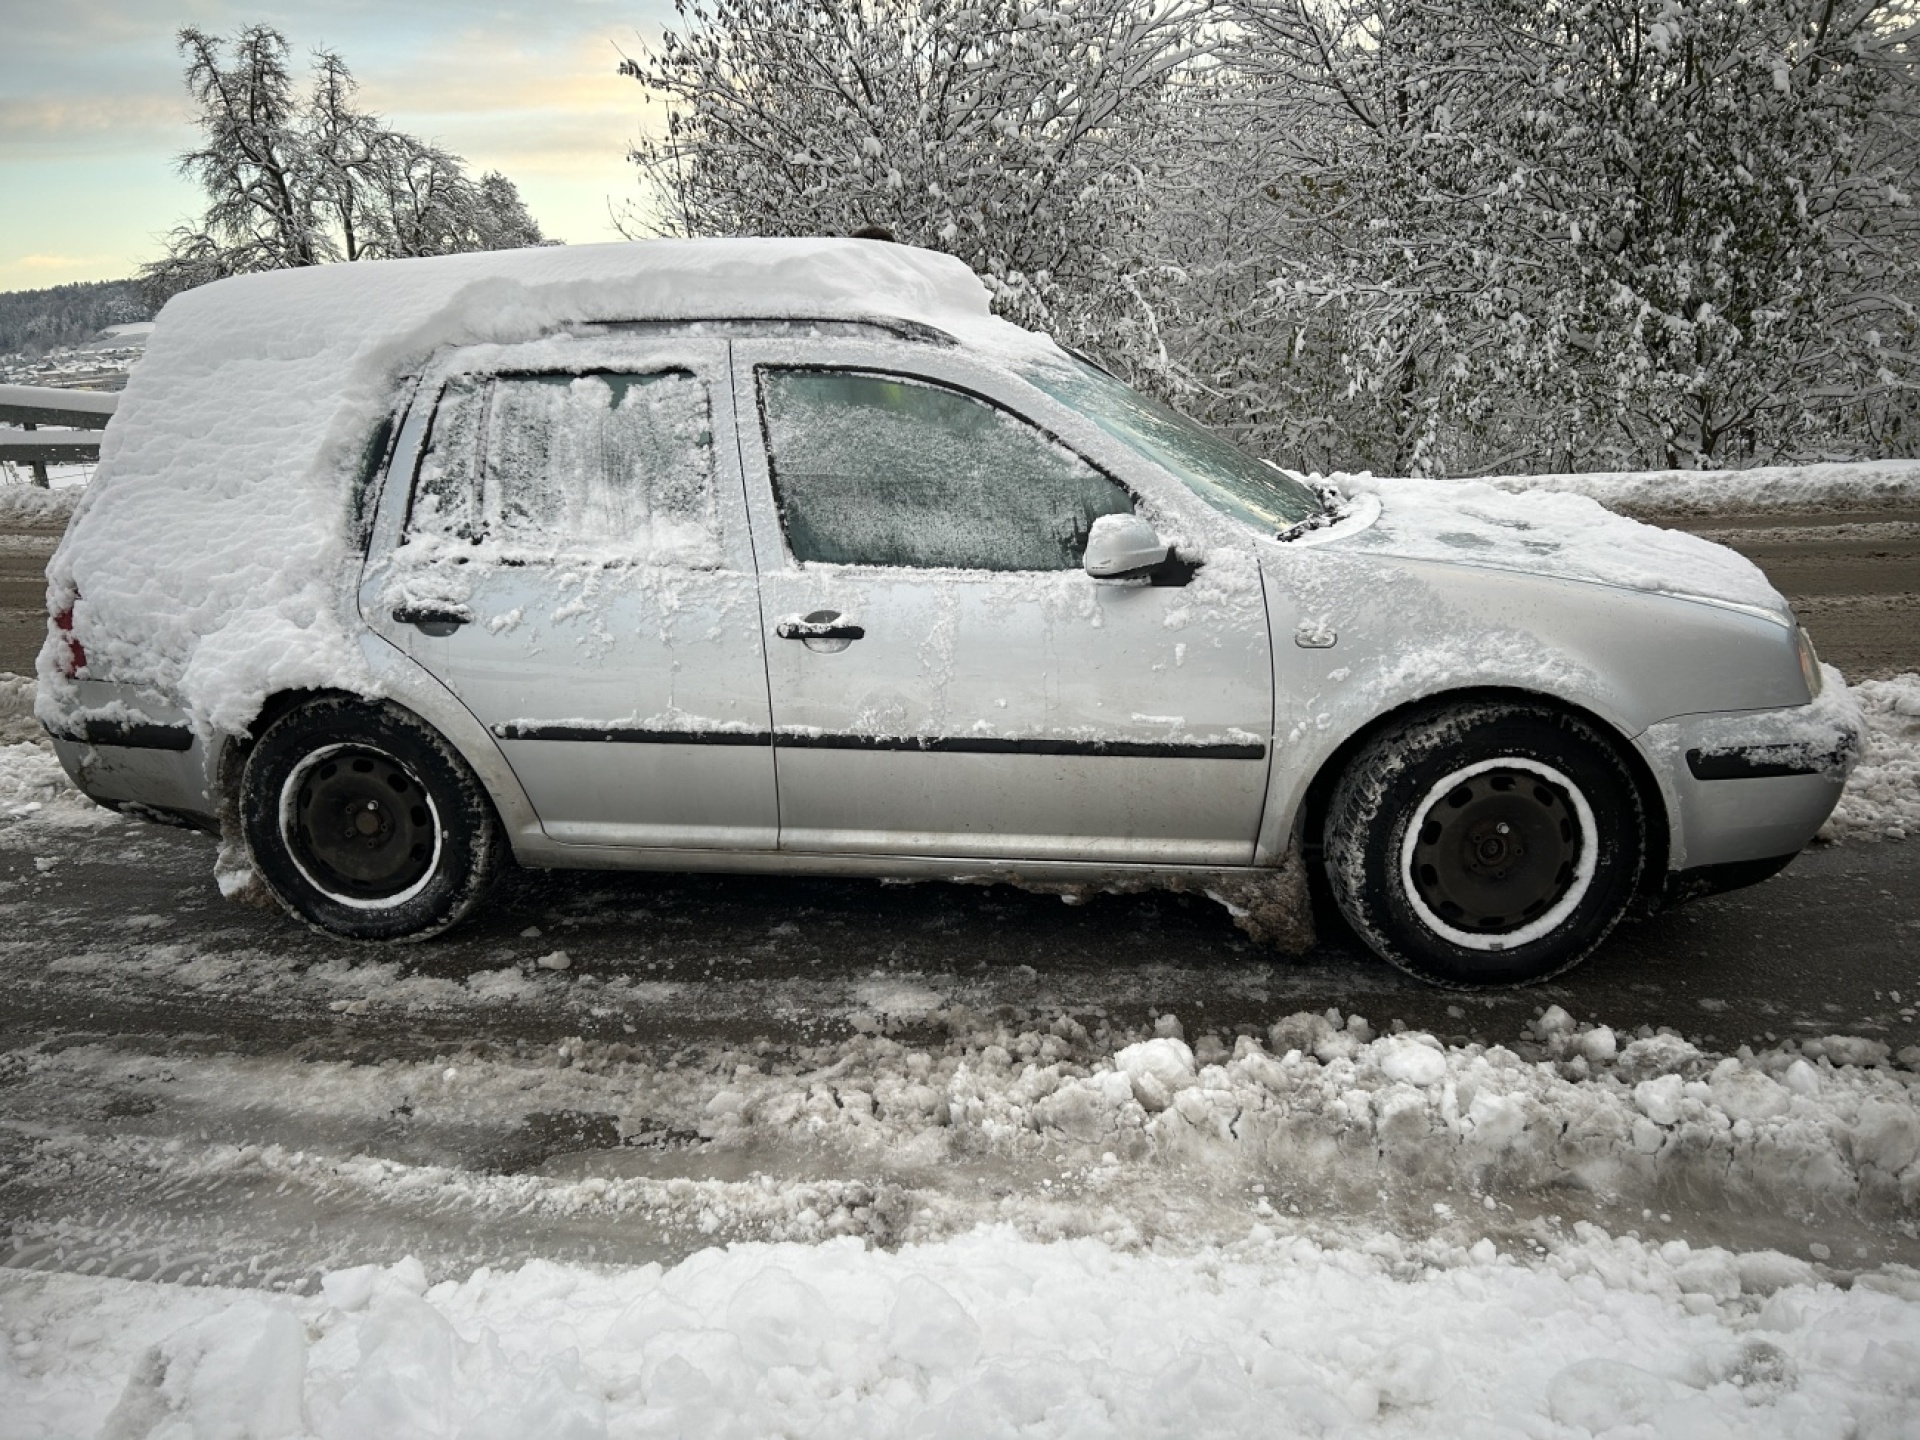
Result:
<point x="365" y="823"/>
<point x="1485" y="844"/>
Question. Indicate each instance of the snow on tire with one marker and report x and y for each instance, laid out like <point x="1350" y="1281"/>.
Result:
<point x="365" y="823"/>
<point x="1487" y="843"/>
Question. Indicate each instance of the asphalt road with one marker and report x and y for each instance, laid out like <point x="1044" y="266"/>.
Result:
<point x="1832" y="945"/>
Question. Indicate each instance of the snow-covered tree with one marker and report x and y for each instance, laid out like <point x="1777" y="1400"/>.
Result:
<point x="296" y="179"/>
<point x="1011" y="133"/>
<point x="1531" y="234"/>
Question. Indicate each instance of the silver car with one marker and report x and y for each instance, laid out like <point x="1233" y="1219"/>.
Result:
<point x="857" y="596"/>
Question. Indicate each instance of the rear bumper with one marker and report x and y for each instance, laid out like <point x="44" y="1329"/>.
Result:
<point x="131" y="753"/>
<point x="1750" y="788"/>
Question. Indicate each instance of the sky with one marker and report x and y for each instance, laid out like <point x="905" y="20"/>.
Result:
<point x="93" y="110"/>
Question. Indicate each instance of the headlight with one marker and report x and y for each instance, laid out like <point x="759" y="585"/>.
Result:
<point x="1809" y="662"/>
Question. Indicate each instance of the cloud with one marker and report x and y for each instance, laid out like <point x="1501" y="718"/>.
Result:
<point x="26" y="119"/>
<point x="57" y="262"/>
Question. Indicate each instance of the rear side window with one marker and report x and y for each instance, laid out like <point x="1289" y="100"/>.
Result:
<point x="618" y="466"/>
<point x="881" y="470"/>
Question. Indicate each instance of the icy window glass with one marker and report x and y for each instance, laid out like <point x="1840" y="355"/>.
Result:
<point x="880" y="470"/>
<point x="614" y="465"/>
<point x="1215" y="469"/>
<point x="443" y="496"/>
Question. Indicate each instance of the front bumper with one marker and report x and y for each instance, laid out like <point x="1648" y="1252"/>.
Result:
<point x="1753" y="786"/>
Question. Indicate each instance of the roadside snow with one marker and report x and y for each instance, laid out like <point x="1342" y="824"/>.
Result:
<point x="1784" y="489"/>
<point x="991" y="1334"/>
<point x="1064" y="1132"/>
<point x="1882" y="799"/>
<point x="32" y="784"/>
<point x="30" y="505"/>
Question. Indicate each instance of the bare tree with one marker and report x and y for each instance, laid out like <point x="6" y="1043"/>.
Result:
<point x="294" y="180"/>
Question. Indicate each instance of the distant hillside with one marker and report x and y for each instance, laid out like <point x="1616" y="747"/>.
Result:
<point x="35" y="321"/>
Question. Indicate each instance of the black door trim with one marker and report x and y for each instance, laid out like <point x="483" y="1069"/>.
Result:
<point x="933" y="744"/>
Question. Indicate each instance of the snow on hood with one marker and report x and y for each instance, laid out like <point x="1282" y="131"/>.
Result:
<point x="216" y="543"/>
<point x="1547" y="533"/>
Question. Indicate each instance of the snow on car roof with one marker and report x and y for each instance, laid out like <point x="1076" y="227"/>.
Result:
<point x="217" y="536"/>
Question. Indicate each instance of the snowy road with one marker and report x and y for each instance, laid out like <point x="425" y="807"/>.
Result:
<point x="939" y="1160"/>
<point x="191" y="1089"/>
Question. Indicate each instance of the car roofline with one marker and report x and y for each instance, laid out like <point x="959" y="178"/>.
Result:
<point x="749" y="326"/>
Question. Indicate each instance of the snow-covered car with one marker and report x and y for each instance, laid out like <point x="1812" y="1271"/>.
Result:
<point x="784" y="556"/>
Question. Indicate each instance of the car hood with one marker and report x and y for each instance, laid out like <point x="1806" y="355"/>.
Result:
<point x="1546" y="533"/>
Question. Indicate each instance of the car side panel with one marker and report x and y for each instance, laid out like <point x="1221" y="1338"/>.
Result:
<point x="1356" y="637"/>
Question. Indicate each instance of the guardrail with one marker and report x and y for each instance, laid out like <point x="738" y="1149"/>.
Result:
<point x="77" y="417"/>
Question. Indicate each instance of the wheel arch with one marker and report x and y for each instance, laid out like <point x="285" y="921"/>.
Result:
<point x="1311" y="815"/>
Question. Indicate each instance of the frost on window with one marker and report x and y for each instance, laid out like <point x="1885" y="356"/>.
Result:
<point x="443" y="496"/>
<point x="618" y="466"/>
<point x="877" y="470"/>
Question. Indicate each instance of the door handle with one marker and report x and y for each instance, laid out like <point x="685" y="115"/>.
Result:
<point x="438" y="621"/>
<point x="820" y="625"/>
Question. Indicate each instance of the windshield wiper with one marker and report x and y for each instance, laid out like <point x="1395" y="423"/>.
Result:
<point x="1334" y="502"/>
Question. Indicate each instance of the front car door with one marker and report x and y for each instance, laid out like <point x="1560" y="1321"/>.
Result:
<point x="945" y="678"/>
<point x="568" y="553"/>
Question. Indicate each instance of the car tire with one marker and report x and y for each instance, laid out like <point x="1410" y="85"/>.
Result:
<point x="1489" y="843"/>
<point x="364" y="822"/>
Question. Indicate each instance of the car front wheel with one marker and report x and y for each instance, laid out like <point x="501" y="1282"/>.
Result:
<point x="364" y="822"/>
<point x="1487" y="843"/>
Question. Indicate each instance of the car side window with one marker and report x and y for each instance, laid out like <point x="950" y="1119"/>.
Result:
<point x="615" y="466"/>
<point x="872" y="469"/>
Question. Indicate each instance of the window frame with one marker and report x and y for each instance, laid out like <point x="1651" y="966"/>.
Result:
<point x="756" y="370"/>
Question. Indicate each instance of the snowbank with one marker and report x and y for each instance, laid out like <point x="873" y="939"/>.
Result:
<point x="216" y="573"/>
<point x="30" y="505"/>
<point x="1882" y="798"/>
<point x="1856" y="485"/>
<point x="1673" y="494"/>
<point x="990" y="1334"/>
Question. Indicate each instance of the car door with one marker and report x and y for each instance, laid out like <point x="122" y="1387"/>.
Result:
<point x="945" y="678"/>
<point x="569" y="555"/>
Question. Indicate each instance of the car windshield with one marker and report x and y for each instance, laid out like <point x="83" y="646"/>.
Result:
<point x="1216" y="470"/>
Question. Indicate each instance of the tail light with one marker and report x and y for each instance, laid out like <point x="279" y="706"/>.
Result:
<point x="74" y="660"/>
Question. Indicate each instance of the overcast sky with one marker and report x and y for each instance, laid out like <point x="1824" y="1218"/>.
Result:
<point x="93" y="111"/>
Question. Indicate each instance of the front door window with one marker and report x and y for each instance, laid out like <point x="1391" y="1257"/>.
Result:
<point x="883" y="470"/>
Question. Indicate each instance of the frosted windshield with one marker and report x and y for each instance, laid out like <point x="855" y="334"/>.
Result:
<point x="1216" y="470"/>
<point x="882" y="470"/>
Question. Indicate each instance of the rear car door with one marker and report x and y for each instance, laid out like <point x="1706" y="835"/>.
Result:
<point x="569" y="555"/>
<point x="945" y="677"/>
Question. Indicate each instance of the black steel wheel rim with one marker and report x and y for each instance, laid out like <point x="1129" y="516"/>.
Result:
<point x="1496" y="851"/>
<point x="360" y="824"/>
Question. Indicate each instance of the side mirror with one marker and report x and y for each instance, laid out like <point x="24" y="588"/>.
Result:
<point x="1120" y="547"/>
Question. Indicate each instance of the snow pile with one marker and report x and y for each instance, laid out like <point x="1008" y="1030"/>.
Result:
<point x="1130" y="1140"/>
<point x="1855" y="485"/>
<point x="1882" y="797"/>
<point x="1544" y="532"/>
<point x="213" y="551"/>
<point x="989" y="1334"/>
<point x="30" y="505"/>
<point x="32" y="784"/>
